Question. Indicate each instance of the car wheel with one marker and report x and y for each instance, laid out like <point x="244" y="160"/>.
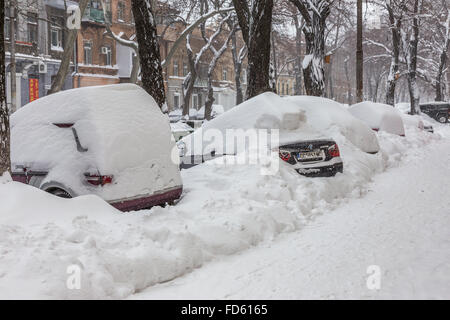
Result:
<point x="442" y="118"/>
<point x="60" y="193"/>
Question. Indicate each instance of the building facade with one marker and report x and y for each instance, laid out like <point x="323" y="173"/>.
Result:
<point x="39" y="38"/>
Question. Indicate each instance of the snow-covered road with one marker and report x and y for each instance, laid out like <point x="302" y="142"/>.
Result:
<point x="401" y="226"/>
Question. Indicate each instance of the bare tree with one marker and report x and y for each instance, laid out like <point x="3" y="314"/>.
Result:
<point x="395" y="12"/>
<point x="212" y="65"/>
<point x="238" y="60"/>
<point x="63" y="70"/>
<point x="359" y="53"/>
<point x="314" y="13"/>
<point x="256" y="25"/>
<point x="410" y="41"/>
<point x="5" y="162"/>
<point x="149" y="55"/>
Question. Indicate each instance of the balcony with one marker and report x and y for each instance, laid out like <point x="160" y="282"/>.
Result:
<point x="94" y="15"/>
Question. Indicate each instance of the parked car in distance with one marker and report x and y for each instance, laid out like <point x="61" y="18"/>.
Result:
<point x="379" y="116"/>
<point x="112" y="141"/>
<point x="440" y="111"/>
<point x="180" y="129"/>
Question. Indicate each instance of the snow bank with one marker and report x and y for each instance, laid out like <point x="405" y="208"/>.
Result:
<point x="379" y="116"/>
<point x="224" y="210"/>
<point x="125" y="134"/>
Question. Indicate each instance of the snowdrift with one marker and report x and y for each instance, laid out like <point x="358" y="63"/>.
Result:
<point x="225" y="209"/>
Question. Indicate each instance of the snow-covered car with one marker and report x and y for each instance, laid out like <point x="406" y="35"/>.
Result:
<point x="380" y="117"/>
<point x="112" y="141"/>
<point x="180" y="129"/>
<point x="315" y="158"/>
<point x="440" y="111"/>
<point x="310" y="151"/>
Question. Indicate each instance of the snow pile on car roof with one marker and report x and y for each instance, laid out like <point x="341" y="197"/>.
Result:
<point x="333" y="119"/>
<point x="122" y="128"/>
<point x="266" y="111"/>
<point x="379" y="116"/>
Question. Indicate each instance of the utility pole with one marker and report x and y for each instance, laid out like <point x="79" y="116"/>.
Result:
<point x="12" y="51"/>
<point x="359" y="53"/>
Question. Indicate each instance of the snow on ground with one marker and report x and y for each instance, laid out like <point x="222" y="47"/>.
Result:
<point x="400" y="228"/>
<point x="225" y="210"/>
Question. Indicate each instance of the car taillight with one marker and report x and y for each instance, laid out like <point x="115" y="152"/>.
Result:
<point x="285" y="155"/>
<point x="333" y="151"/>
<point x="98" y="180"/>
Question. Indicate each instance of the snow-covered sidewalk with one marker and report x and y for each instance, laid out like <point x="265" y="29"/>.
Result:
<point x="402" y="226"/>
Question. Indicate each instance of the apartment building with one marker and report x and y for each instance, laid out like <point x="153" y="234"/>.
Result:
<point x="39" y="40"/>
<point x="100" y="60"/>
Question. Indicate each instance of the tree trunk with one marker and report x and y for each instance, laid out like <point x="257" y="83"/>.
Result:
<point x="237" y="56"/>
<point x="442" y="67"/>
<point x="315" y="14"/>
<point x="12" y="51"/>
<point x="412" y="62"/>
<point x="394" y="68"/>
<point x="298" y="59"/>
<point x="149" y="55"/>
<point x="5" y="162"/>
<point x="63" y="70"/>
<point x="359" y="54"/>
<point x="259" y="27"/>
<point x="349" y="87"/>
<point x="313" y="70"/>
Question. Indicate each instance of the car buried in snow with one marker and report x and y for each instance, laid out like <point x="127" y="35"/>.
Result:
<point x="379" y="116"/>
<point x="309" y="130"/>
<point x="315" y="158"/>
<point x="111" y="141"/>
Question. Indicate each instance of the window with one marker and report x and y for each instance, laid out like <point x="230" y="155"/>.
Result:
<point x="176" y="100"/>
<point x="224" y="74"/>
<point x="32" y="28"/>
<point x="195" y="101"/>
<point x="87" y="48"/>
<point x="108" y="55"/>
<point x="7" y="27"/>
<point x="175" y="68"/>
<point x="185" y="70"/>
<point x="282" y="90"/>
<point x="121" y="11"/>
<point x="56" y="37"/>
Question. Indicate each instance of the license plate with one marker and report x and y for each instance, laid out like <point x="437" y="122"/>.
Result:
<point x="309" y="155"/>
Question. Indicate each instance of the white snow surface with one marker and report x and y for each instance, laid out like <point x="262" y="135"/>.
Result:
<point x="224" y="211"/>
<point x="125" y="132"/>
<point x="379" y="116"/>
<point x="399" y="227"/>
